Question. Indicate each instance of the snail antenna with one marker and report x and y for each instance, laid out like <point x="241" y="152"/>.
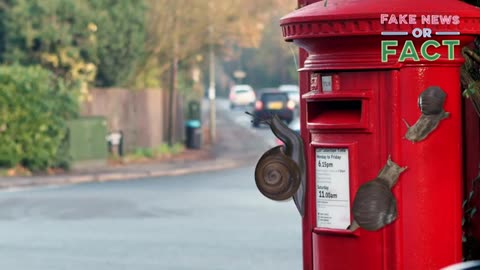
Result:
<point x="406" y="123"/>
<point x="266" y="120"/>
<point x="249" y="113"/>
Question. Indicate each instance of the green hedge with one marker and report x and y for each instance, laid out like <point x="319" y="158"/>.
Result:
<point x="34" y="107"/>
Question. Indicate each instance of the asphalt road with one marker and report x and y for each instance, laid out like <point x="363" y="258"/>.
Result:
<point x="238" y="117"/>
<point x="208" y="221"/>
<point x="214" y="220"/>
<point x="236" y="138"/>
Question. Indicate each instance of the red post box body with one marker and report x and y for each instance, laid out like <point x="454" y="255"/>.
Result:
<point x="353" y="108"/>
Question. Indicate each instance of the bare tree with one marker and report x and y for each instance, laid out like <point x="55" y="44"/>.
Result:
<point x="179" y="30"/>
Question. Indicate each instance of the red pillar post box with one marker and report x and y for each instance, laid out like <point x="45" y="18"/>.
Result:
<point x="368" y="64"/>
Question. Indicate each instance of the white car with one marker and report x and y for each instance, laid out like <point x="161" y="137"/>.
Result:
<point x="242" y="95"/>
<point x="292" y="91"/>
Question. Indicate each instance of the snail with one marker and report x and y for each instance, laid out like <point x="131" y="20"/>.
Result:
<point x="430" y="102"/>
<point x="374" y="205"/>
<point x="280" y="172"/>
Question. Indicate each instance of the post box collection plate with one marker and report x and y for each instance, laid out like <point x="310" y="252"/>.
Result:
<point x="332" y="188"/>
<point x="327" y="83"/>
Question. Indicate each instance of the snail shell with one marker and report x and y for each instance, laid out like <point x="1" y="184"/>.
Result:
<point x="375" y="205"/>
<point x="276" y="175"/>
<point x="431" y="100"/>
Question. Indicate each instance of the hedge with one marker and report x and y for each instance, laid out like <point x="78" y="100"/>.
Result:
<point x="34" y="108"/>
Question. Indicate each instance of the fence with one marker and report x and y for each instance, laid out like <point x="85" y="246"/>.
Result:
<point x="141" y="115"/>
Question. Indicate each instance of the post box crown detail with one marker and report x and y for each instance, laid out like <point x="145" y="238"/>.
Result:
<point x="362" y="18"/>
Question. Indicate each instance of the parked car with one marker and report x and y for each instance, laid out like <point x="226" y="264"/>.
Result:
<point x="272" y="101"/>
<point x="294" y="125"/>
<point x="293" y="92"/>
<point x="241" y="95"/>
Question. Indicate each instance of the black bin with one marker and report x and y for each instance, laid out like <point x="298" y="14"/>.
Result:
<point x="194" y="134"/>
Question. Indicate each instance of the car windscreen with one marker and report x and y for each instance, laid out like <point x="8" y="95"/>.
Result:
<point x="274" y="97"/>
<point x="241" y="91"/>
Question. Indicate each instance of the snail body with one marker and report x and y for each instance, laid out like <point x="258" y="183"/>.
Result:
<point x="424" y="126"/>
<point x="280" y="172"/>
<point x="430" y="102"/>
<point x="375" y="205"/>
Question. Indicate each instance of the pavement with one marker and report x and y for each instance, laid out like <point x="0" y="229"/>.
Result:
<point x="235" y="146"/>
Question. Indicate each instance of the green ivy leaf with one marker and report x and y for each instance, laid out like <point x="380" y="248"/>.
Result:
<point x="470" y="195"/>
<point x="474" y="210"/>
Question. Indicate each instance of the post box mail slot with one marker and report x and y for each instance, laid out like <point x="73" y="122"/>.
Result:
<point x="336" y="113"/>
<point x="348" y="110"/>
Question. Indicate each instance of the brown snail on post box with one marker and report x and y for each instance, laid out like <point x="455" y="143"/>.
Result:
<point x="374" y="205"/>
<point x="430" y="102"/>
<point x="280" y="172"/>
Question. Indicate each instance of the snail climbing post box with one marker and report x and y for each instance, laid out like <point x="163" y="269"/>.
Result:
<point x="381" y="120"/>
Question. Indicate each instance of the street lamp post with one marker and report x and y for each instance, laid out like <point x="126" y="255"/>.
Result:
<point x="211" y="89"/>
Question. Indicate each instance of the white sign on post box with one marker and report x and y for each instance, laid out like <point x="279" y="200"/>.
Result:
<point x="332" y="188"/>
<point x="327" y="83"/>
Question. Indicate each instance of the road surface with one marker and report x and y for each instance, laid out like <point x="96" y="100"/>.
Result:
<point x="208" y="221"/>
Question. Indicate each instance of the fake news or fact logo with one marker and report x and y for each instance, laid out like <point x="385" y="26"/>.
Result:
<point x="409" y="51"/>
